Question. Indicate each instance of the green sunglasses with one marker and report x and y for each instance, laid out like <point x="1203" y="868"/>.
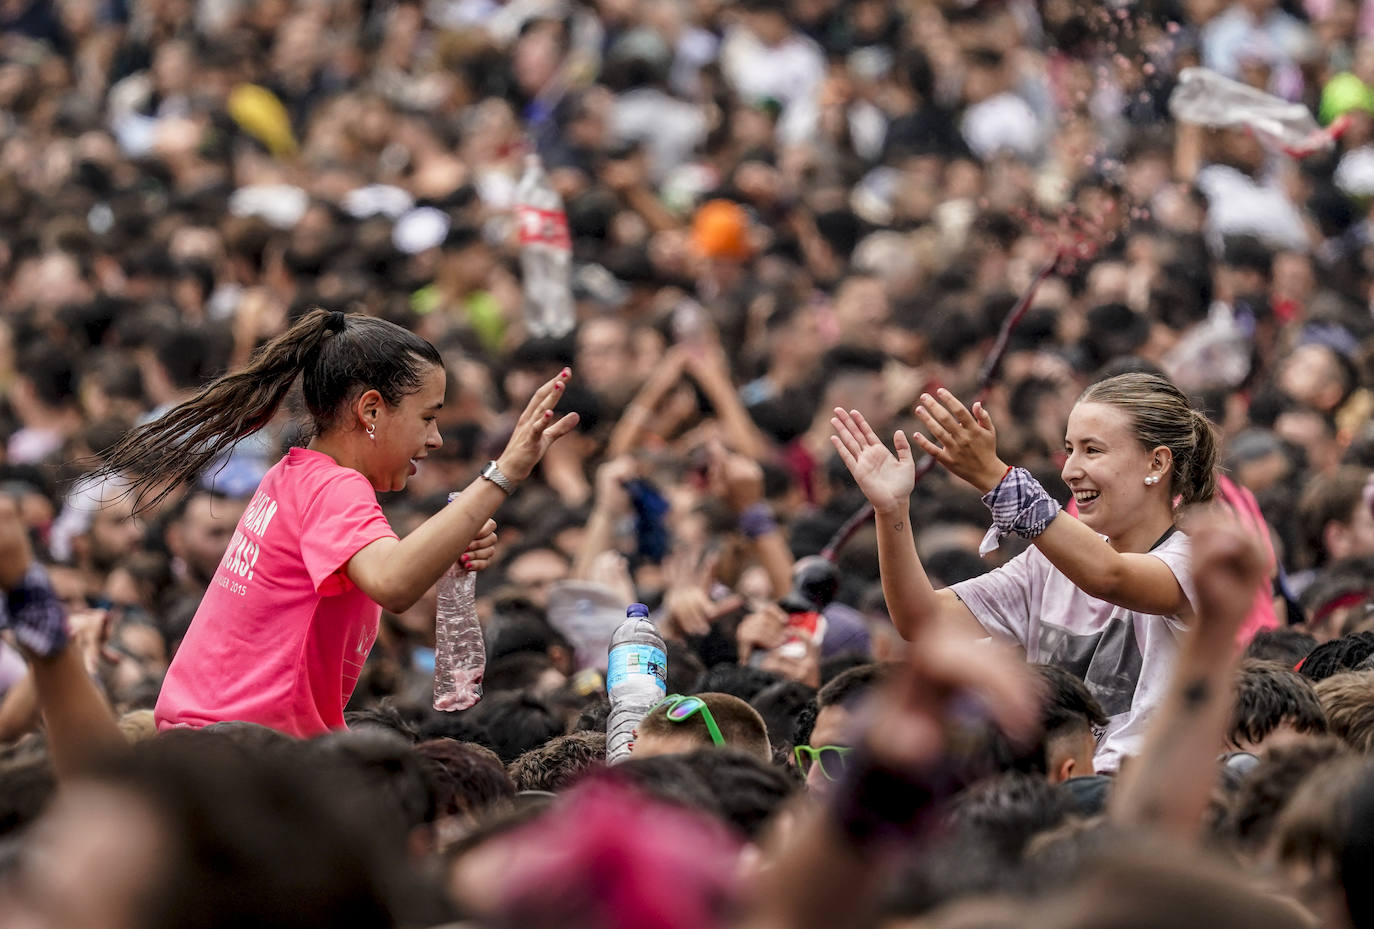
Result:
<point x="831" y="758"/>
<point x="680" y="709"/>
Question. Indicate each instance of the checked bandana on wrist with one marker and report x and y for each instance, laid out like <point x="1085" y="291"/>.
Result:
<point x="37" y="617"/>
<point x="1020" y="506"/>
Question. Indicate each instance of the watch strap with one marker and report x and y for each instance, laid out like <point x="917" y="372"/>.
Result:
<point x="493" y="473"/>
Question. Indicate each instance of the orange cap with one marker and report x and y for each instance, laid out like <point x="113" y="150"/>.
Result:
<point x="720" y="229"/>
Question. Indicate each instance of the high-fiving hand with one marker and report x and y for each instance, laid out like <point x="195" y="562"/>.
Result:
<point x="967" y="440"/>
<point x="536" y="429"/>
<point x="885" y="479"/>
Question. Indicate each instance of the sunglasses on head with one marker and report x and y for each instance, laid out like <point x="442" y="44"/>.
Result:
<point x="830" y="757"/>
<point x="680" y="709"/>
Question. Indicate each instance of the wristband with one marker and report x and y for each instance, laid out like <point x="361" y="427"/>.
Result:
<point x="1020" y="506"/>
<point x="38" y="618"/>
<point x="757" y="520"/>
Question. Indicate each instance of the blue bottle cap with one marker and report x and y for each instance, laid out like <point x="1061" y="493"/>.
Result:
<point x="637" y="610"/>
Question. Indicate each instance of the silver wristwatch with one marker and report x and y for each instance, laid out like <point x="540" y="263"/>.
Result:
<point x="492" y="472"/>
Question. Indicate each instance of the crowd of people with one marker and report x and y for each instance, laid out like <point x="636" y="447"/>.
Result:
<point x="261" y="313"/>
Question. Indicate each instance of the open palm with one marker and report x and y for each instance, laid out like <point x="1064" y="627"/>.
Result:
<point x="885" y="479"/>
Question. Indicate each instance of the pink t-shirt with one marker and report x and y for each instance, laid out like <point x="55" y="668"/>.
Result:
<point x="282" y="633"/>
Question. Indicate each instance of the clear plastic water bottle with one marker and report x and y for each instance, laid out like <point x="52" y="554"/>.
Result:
<point x="460" y="655"/>
<point x="545" y="253"/>
<point x="636" y="679"/>
<point x="1207" y="98"/>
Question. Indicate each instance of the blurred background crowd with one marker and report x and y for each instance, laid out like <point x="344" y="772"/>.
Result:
<point x="776" y="207"/>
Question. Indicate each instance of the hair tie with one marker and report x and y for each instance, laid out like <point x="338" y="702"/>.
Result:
<point x="335" y="321"/>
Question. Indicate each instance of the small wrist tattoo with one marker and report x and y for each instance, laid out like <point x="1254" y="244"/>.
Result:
<point x="899" y="526"/>
<point x="1195" y="694"/>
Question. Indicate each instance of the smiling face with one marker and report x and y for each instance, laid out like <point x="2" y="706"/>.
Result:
<point x="1106" y="469"/>
<point x="405" y="433"/>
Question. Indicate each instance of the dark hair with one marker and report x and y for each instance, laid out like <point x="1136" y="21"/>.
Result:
<point x="1285" y="645"/>
<point x="780" y="706"/>
<point x="25" y="789"/>
<point x="1262" y="795"/>
<point x="1269" y="695"/>
<point x="254" y="840"/>
<point x="381" y="719"/>
<point x="386" y="765"/>
<point x="1067" y="703"/>
<point x="516" y="672"/>
<point x="1343" y="654"/>
<point x="336" y="357"/>
<point x="750" y="791"/>
<point x="1333" y="497"/>
<point x="1161" y="415"/>
<point x="466" y="778"/>
<point x="559" y="762"/>
<point x="669" y="779"/>
<point x="736" y="680"/>
<point x="514" y="723"/>
<point x="852" y="685"/>
<point x="1008" y="810"/>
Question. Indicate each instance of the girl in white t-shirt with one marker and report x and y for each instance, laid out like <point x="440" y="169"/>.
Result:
<point x="1104" y="595"/>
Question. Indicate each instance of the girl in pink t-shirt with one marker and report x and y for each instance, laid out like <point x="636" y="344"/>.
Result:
<point x="281" y="635"/>
<point x="1105" y="595"/>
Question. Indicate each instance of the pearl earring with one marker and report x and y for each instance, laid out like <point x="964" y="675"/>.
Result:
<point x="1152" y="480"/>
<point x="372" y="431"/>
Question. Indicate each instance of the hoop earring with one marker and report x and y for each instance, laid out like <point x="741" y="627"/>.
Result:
<point x="372" y="431"/>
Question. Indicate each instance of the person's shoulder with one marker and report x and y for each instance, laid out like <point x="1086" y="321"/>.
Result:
<point x="1177" y="543"/>
<point x="312" y="472"/>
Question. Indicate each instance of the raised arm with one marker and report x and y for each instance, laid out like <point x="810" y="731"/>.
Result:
<point x="1169" y="787"/>
<point x="79" y="722"/>
<point x="397" y="572"/>
<point x="887" y="481"/>
<point x="966" y="444"/>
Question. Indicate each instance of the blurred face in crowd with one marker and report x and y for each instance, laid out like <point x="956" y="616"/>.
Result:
<point x="534" y="572"/>
<point x="202" y="534"/>
<point x="834" y="726"/>
<point x="1353" y="538"/>
<point x="858" y="390"/>
<point x="603" y="354"/>
<point x="114" y="533"/>
<point x="1314" y="434"/>
<point x="799" y="342"/>
<point x="537" y="56"/>
<point x="768" y="26"/>
<point x="861" y="309"/>
<point x="1312" y="375"/>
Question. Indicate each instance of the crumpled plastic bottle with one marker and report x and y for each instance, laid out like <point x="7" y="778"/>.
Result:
<point x="460" y="655"/>
<point x="1206" y="98"/>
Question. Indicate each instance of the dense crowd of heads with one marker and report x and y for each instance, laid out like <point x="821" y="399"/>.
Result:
<point x="777" y="207"/>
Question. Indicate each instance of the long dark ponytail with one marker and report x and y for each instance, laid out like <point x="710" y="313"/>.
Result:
<point x="336" y="356"/>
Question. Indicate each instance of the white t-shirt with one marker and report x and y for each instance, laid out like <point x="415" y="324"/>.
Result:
<point x="1125" y="657"/>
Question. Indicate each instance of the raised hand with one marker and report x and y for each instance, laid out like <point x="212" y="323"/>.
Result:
<point x="1229" y="567"/>
<point x="536" y="430"/>
<point x="967" y="440"/>
<point x="734" y="478"/>
<point x="885" y="479"/>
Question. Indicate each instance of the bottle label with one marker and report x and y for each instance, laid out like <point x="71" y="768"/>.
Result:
<point x="549" y="227"/>
<point x="636" y="659"/>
